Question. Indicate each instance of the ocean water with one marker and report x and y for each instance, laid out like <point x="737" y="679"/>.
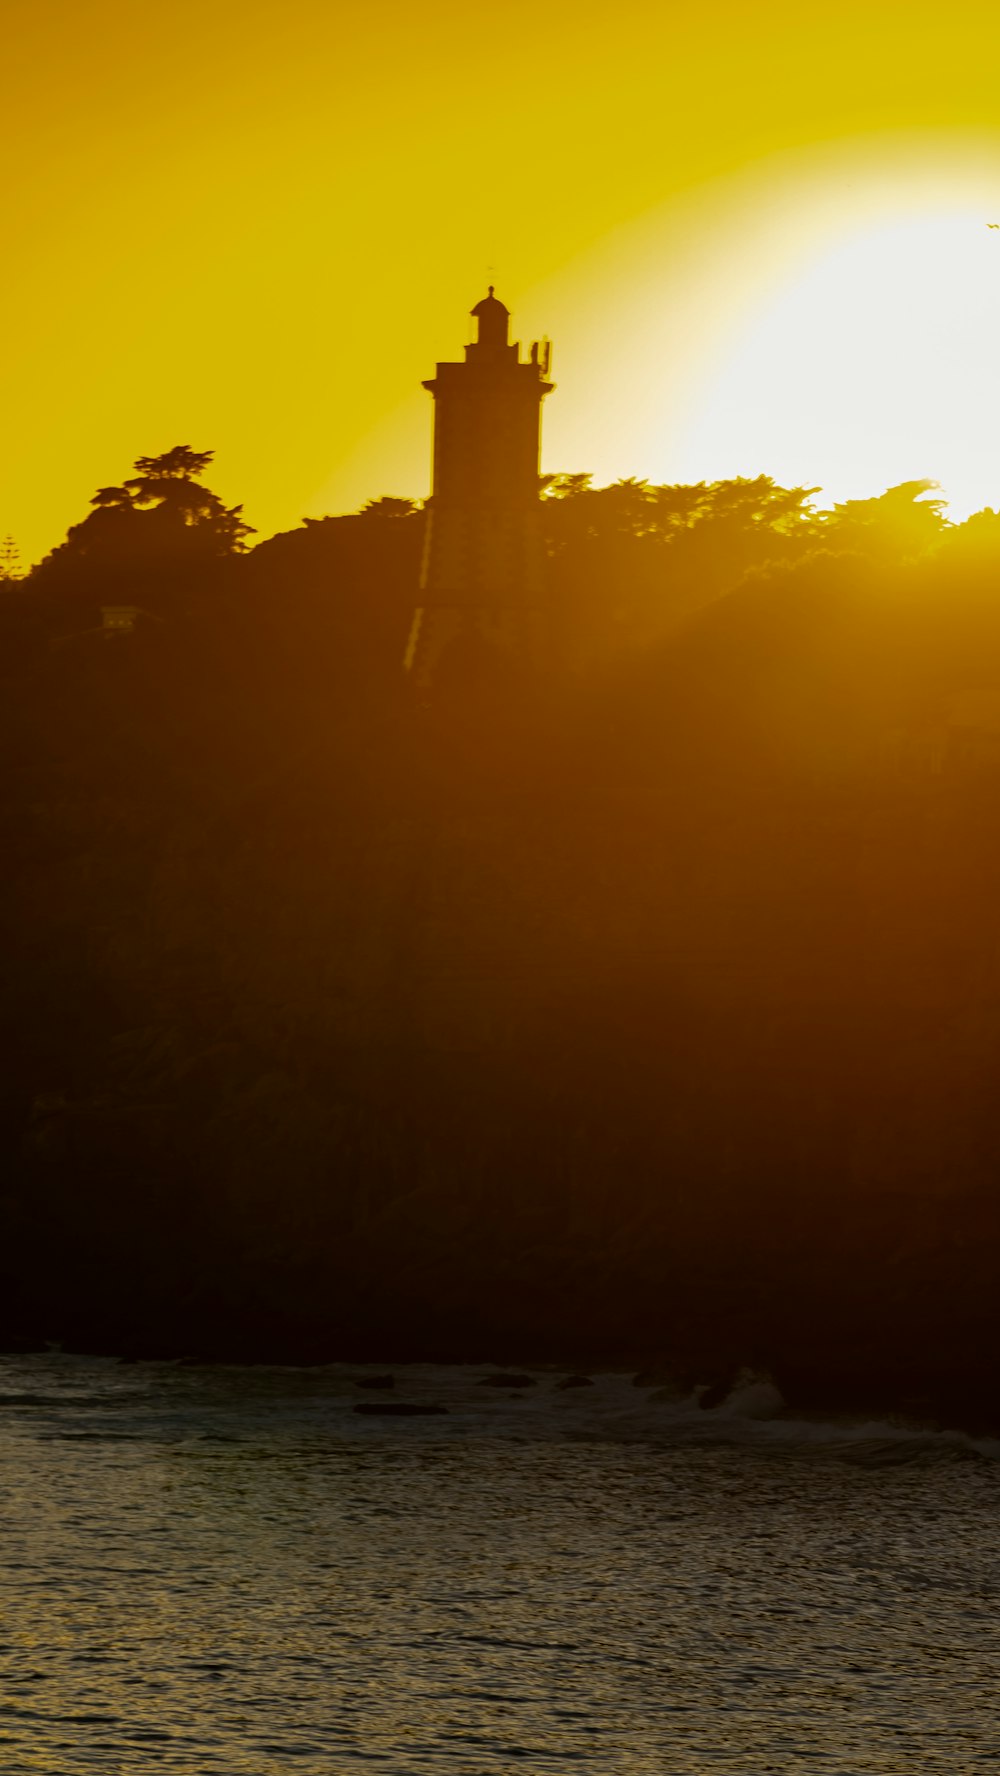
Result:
<point x="224" y="1570"/>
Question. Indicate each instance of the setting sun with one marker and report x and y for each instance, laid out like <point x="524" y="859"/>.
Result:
<point x="878" y="363"/>
<point x="757" y="241"/>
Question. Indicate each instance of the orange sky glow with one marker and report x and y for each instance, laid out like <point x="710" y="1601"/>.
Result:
<point x="756" y="236"/>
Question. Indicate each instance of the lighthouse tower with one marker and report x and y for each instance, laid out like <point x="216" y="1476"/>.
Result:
<point x="481" y="587"/>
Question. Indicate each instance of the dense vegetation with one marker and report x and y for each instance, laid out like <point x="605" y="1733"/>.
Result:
<point x="647" y="1010"/>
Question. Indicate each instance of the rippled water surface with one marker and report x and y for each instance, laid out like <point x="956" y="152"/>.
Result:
<point x="217" y="1570"/>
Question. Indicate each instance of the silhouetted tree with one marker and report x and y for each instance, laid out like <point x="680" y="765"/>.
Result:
<point x="10" y="560"/>
<point x="573" y="506"/>
<point x="389" y="507"/>
<point x="168" y="490"/>
<point x="897" y="525"/>
<point x="158" y="523"/>
<point x="629" y="561"/>
<point x="337" y="594"/>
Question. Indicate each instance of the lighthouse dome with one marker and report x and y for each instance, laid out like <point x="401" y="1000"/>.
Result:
<point x="492" y="318"/>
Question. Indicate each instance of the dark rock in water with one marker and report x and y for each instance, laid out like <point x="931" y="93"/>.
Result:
<point x="398" y="1409"/>
<point x="507" y="1381"/>
<point x="575" y="1381"/>
<point x="375" y="1381"/>
<point x="714" y="1395"/>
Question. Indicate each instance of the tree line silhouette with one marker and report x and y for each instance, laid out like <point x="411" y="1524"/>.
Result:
<point x="643" y="1007"/>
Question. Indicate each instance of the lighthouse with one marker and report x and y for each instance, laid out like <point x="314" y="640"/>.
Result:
<point x="481" y="601"/>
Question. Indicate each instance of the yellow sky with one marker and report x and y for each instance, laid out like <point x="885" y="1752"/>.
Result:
<point x="254" y="227"/>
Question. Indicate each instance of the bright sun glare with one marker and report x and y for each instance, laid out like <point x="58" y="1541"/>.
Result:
<point x="878" y="363"/>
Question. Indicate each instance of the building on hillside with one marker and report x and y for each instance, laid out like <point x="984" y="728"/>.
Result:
<point x="481" y="607"/>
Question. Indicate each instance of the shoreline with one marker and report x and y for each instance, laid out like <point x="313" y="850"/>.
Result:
<point x="945" y="1405"/>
